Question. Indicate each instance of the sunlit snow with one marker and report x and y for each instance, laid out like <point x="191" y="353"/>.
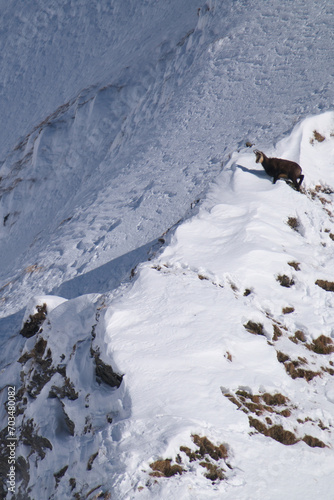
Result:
<point x="188" y="299"/>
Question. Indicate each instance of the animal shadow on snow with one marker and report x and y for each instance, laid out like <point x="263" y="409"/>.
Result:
<point x="261" y="174"/>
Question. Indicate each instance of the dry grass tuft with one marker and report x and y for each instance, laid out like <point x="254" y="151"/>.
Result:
<point x="313" y="442"/>
<point x="295" y="265"/>
<point x="206" y="447"/>
<point x="321" y="345"/>
<point x="254" y="328"/>
<point x="324" y="189"/>
<point x="274" y="399"/>
<point x="328" y="370"/>
<point x="233" y="399"/>
<point x="288" y="310"/>
<point x="294" y="223"/>
<point x="192" y="455"/>
<point x="163" y="468"/>
<point x="318" y="192"/>
<point x="268" y="408"/>
<point x="317" y="137"/>
<point x="282" y="358"/>
<point x="285" y="281"/>
<point x="295" y="372"/>
<point x="228" y="356"/>
<point x="276" y="432"/>
<point x="281" y="435"/>
<point x="277" y="333"/>
<point x="292" y="367"/>
<point x="207" y="454"/>
<point x="214" y="472"/>
<point x="325" y="285"/>
<point x="299" y="336"/>
<point x="260" y="404"/>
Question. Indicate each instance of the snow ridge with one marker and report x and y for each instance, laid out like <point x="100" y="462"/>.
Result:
<point x="166" y="324"/>
<point x="233" y="371"/>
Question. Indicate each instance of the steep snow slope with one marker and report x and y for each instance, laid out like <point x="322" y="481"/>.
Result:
<point x="157" y="360"/>
<point x="185" y="315"/>
<point x="225" y="368"/>
<point x="112" y="169"/>
<point x="49" y="52"/>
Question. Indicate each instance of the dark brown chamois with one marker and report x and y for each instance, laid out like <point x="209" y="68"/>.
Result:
<point x="278" y="168"/>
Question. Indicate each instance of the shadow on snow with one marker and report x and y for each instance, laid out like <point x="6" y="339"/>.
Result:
<point x="107" y="277"/>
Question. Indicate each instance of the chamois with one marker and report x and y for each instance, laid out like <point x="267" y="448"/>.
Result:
<point x="278" y="168"/>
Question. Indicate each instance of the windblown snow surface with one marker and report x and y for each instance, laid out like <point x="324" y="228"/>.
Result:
<point x="182" y="303"/>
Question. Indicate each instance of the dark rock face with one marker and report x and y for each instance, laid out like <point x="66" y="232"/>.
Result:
<point x="49" y="370"/>
<point x="33" y="324"/>
<point x="106" y="374"/>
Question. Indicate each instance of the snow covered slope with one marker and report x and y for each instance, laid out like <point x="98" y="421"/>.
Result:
<point x="209" y="376"/>
<point x="207" y="370"/>
<point x="50" y="52"/>
<point x="123" y="159"/>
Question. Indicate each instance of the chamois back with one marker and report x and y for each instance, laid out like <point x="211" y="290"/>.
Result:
<point x="279" y="168"/>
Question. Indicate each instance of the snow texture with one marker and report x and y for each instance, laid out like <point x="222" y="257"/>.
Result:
<point x="183" y="303"/>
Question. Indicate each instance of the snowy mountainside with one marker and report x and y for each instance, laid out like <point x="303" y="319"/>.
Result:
<point x="114" y="167"/>
<point x="49" y="53"/>
<point x="174" y="307"/>
<point x="211" y="374"/>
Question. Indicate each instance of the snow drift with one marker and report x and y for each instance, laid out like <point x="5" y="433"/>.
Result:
<point x="166" y="324"/>
<point x="210" y="374"/>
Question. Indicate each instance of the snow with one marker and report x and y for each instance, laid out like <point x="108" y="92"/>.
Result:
<point x="133" y="208"/>
<point x="181" y="328"/>
<point x="154" y="133"/>
<point x="50" y="53"/>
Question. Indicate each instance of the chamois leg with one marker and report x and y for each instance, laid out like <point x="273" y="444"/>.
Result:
<point x="298" y="183"/>
<point x="301" y="177"/>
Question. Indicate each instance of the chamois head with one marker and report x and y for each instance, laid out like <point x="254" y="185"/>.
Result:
<point x="259" y="156"/>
